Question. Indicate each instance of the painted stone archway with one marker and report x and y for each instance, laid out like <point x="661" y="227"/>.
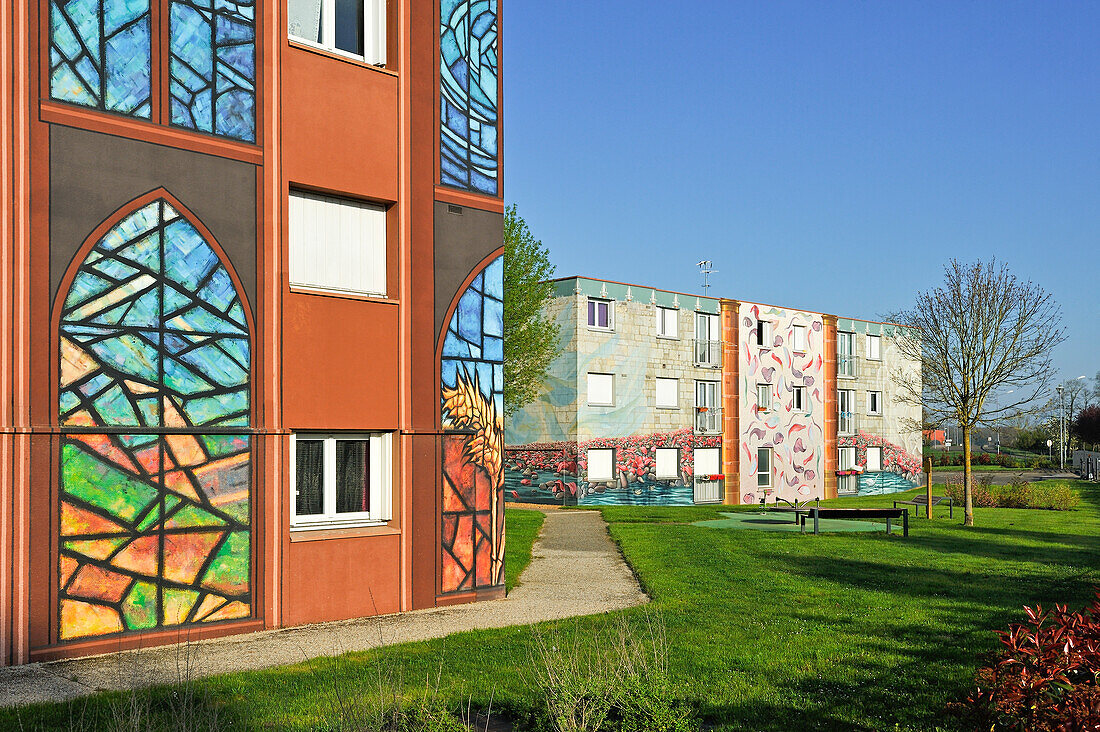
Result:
<point x="472" y="394"/>
<point x="155" y="464"/>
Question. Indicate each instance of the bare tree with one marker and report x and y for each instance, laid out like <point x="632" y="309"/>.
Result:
<point x="985" y="347"/>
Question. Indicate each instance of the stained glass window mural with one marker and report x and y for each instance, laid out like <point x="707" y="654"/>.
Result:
<point x="100" y="54"/>
<point x="213" y="66"/>
<point x="468" y="94"/>
<point x="472" y="392"/>
<point x="155" y="468"/>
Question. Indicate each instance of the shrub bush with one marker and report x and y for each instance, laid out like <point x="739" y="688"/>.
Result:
<point x="1017" y="494"/>
<point x="1045" y="677"/>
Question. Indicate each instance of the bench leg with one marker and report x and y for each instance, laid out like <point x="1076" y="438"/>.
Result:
<point x="815" y="522"/>
<point x="905" y="525"/>
<point x="887" y="526"/>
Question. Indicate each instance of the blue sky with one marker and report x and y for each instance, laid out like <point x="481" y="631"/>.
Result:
<point x="825" y="155"/>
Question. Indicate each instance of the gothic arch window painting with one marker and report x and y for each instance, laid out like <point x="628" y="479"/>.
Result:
<point x="100" y="54"/>
<point x="468" y="94"/>
<point x="155" y="468"/>
<point x="472" y="394"/>
<point x="213" y="66"/>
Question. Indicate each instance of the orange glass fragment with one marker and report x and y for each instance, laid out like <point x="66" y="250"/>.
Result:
<point x="95" y="583"/>
<point x="184" y="554"/>
<point x="235" y="609"/>
<point x="79" y="619"/>
<point x="139" y="557"/>
<point x="77" y="521"/>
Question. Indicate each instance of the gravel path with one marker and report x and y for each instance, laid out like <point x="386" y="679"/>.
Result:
<point x="575" y="570"/>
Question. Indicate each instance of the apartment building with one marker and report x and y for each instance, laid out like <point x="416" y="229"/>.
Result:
<point x="250" y="286"/>
<point x="665" y="398"/>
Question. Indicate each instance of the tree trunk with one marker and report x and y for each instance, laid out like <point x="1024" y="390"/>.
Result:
<point x="968" y="481"/>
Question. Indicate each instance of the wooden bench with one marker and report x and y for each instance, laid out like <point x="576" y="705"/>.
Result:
<point x="922" y="502"/>
<point x="857" y="513"/>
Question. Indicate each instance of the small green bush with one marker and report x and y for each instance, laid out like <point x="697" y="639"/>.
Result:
<point x="1018" y="494"/>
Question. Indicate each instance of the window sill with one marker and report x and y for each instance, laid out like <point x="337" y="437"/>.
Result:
<point x="590" y="404"/>
<point x="601" y="330"/>
<point x="328" y="531"/>
<point x="319" y="291"/>
<point x="667" y="337"/>
<point x="667" y="409"/>
<point x="338" y="55"/>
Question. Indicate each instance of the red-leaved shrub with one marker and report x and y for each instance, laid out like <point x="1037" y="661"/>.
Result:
<point x="1045" y="677"/>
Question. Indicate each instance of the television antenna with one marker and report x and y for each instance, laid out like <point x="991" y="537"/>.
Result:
<point x="706" y="268"/>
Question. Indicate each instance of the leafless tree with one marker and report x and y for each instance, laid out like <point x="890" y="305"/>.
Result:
<point x="985" y="347"/>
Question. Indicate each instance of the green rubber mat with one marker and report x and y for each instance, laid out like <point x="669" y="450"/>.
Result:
<point x="782" y="522"/>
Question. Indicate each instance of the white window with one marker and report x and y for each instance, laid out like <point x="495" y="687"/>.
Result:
<point x="764" y="396"/>
<point x="763" y="467"/>
<point x="337" y="244"/>
<point x="798" y="338"/>
<point x="708" y="412"/>
<point x="340" y="480"/>
<point x="668" y="463"/>
<point x="874" y="402"/>
<point x="798" y="398"/>
<point x="763" y="334"/>
<point x="666" y="322"/>
<point x="601" y="464"/>
<point x="668" y="393"/>
<point x="845" y="411"/>
<point x="845" y="364"/>
<point x="874" y="347"/>
<point x="600" y="314"/>
<point x="846" y="458"/>
<point x="601" y="389"/>
<point x="708" y="345"/>
<point x="352" y="27"/>
<point x="707" y="462"/>
<point x="874" y="459"/>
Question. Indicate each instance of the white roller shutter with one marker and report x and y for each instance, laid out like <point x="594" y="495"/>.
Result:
<point x="668" y="463"/>
<point x="337" y="244"/>
<point x="668" y="392"/>
<point x="601" y="464"/>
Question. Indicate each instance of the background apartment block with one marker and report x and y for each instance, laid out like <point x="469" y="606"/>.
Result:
<point x="250" y="286"/>
<point x="666" y="398"/>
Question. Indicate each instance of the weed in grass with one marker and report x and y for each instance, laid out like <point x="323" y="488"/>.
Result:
<point x="617" y="681"/>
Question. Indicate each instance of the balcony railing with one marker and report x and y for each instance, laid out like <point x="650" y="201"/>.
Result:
<point x="847" y="423"/>
<point x="708" y="420"/>
<point x="708" y="353"/>
<point x="847" y="367"/>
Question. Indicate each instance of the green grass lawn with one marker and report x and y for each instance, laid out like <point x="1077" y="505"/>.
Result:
<point x="767" y="631"/>
<point x="521" y="527"/>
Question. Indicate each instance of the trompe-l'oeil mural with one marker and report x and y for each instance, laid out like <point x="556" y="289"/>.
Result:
<point x="472" y="397"/>
<point x="155" y="480"/>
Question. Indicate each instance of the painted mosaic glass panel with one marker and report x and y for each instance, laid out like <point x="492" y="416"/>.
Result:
<point x="154" y="521"/>
<point x="213" y="66"/>
<point x="472" y="392"/>
<point x="100" y="54"/>
<point x="468" y="94"/>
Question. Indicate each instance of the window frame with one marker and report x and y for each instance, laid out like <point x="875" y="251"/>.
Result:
<point x="380" y="446"/>
<point x="676" y="462"/>
<point x="588" y="465"/>
<point x="874" y="403"/>
<point x="657" y="393"/>
<point x="802" y="330"/>
<point x="798" y="398"/>
<point x="610" y="328"/>
<point x="588" y="389"/>
<point x="877" y="340"/>
<point x="664" y="315"/>
<point x="764" y="389"/>
<point x="763" y="334"/>
<point x="328" y="30"/>
<point x="299" y="284"/>
<point x="878" y="451"/>
<point x="771" y="467"/>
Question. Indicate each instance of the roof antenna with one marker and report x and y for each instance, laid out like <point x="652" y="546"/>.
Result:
<point x="706" y="268"/>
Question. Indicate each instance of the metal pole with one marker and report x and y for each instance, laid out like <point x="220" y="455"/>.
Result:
<point x="1062" y="444"/>
<point x="928" y="485"/>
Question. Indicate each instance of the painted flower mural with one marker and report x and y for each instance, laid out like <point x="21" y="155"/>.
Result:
<point x="557" y="472"/>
